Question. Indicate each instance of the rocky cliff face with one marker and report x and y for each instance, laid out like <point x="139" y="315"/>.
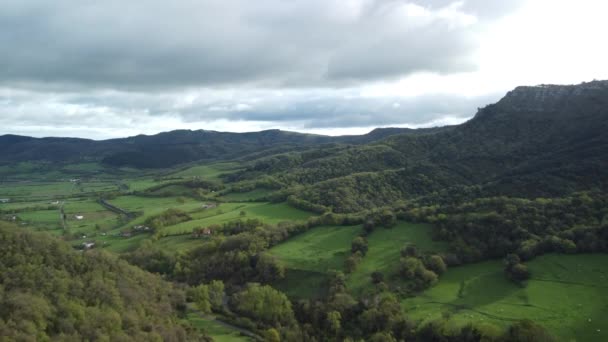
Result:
<point x="554" y="97"/>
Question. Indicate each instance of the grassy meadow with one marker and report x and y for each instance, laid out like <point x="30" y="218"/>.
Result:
<point x="567" y="294"/>
<point x="219" y="332"/>
<point x="384" y="252"/>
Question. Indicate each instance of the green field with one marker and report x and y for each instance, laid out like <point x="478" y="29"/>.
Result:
<point x="218" y="331"/>
<point x="320" y="249"/>
<point x="384" y="252"/>
<point x="309" y="256"/>
<point x="246" y="196"/>
<point x="95" y="217"/>
<point x="568" y="294"/>
<point x="209" y="171"/>
<point x="267" y="212"/>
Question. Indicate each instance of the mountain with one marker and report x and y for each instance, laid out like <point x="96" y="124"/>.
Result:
<point x="536" y="141"/>
<point x="169" y="148"/>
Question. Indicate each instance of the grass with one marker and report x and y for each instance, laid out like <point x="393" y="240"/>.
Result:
<point x="42" y="219"/>
<point x="320" y="249"/>
<point x="96" y="217"/>
<point x="209" y="171"/>
<point x="219" y="332"/>
<point x="37" y="191"/>
<point x="309" y="257"/>
<point x="246" y="196"/>
<point x="568" y="294"/>
<point x="267" y="212"/>
<point x="384" y="252"/>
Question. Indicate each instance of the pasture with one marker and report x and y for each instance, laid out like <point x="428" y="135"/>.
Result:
<point x="308" y="257"/>
<point x="208" y="171"/>
<point x="384" y="252"/>
<point x="246" y="196"/>
<point x="219" y="332"/>
<point x="567" y="294"/>
<point x="266" y="212"/>
<point x="320" y="249"/>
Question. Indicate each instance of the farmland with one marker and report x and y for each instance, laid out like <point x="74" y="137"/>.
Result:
<point x="311" y="255"/>
<point x="566" y="294"/>
<point x="471" y="293"/>
<point x="37" y="202"/>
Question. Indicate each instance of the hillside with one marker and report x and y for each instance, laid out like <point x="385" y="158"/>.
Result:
<point x="168" y="149"/>
<point x="50" y="291"/>
<point x="536" y="141"/>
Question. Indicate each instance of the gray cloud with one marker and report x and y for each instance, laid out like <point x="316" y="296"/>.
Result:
<point x="102" y="114"/>
<point x="168" y="44"/>
<point x="113" y="68"/>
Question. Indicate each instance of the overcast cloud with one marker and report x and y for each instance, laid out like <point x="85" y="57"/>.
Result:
<point x="102" y="69"/>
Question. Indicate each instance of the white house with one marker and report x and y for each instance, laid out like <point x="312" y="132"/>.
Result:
<point x="78" y="217"/>
<point x="5" y="200"/>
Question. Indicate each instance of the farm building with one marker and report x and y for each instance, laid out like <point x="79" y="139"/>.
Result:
<point x="209" y="206"/>
<point x="202" y="232"/>
<point x="88" y="245"/>
<point x="5" y="200"/>
<point x="78" y="217"/>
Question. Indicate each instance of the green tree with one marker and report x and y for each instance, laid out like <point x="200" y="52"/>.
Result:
<point x="334" y="321"/>
<point x="436" y="264"/>
<point x="272" y="335"/>
<point x="201" y="298"/>
<point x="359" y="244"/>
<point x="265" y="304"/>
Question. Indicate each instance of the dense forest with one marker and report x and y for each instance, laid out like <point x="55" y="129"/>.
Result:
<point x="50" y="291"/>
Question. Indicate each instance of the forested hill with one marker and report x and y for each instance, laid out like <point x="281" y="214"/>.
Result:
<point x="49" y="291"/>
<point x="536" y="141"/>
<point x="171" y="148"/>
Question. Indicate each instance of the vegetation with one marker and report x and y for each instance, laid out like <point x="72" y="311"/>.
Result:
<point x="463" y="233"/>
<point x="50" y="291"/>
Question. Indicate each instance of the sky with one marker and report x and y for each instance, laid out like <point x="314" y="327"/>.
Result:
<point x="106" y="69"/>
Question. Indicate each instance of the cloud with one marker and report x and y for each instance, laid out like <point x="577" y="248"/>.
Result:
<point x="103" y="114"/>
<point x="271" y="43"/>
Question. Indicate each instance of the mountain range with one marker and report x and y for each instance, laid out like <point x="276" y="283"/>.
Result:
<point x="536" y="141"/>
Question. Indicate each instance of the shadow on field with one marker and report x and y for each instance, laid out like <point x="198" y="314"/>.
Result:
<point x="483" y="290"/>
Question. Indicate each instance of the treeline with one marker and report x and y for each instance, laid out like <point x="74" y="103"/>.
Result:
<point x="494" y="227"/>
<point x="168" y="217"/>
<point x="48" y="291"/>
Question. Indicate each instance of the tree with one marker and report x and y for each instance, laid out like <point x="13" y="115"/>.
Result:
<point x="368" y="227"/>
<point x="409" y="267"/>
<point x="351" y="263"/>
<point x="519" y="272"/>
<point x="514" y="269"/>
<point x="272" y="335"/>
<point x="527" y="331"/>
<point x="435" y="263"/>
<point x="216" y="294"/>
<point x="333" y="321"/>
<point x="409" y="250"/>
<point x="264" y="304"/>
<point x="377" y="277"/>
<point x="359" y="244"/>
<point x="201" y="298"/>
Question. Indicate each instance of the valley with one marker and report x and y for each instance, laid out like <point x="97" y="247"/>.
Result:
<point x="496" y="228"/>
